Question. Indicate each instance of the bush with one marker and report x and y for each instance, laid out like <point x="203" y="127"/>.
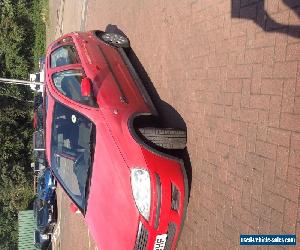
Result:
<point x="22" y="42"/>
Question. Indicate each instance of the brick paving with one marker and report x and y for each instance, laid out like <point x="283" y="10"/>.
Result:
<point x="236" y="83"/>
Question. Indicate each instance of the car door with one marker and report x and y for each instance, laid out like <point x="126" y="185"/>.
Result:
<point x="106" y="91"/>
<point x="106" y="84"/>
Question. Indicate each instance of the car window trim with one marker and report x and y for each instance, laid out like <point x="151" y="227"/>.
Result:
<point x="90" y="170"/>
<point x="61" y="95"/>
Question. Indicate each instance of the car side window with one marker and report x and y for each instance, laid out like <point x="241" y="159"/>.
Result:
<point x="68" y="82"/>
<point x="64" y="55"/>
<point x="71" y="151"/>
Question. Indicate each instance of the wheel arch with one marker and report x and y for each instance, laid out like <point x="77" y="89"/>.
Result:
<point x="137" y="119"/>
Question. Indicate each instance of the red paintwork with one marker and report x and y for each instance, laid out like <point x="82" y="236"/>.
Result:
<point x="86" y="87"/>
<point x="112" y="216"/>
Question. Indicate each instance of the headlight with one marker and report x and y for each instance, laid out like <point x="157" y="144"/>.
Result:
<point x="141" y="189"/>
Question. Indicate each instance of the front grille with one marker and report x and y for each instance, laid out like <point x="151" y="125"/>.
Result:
<point x="171" y="234"/>
<point x="142" y="238"/>
<point x="175" y="198"/>
<point x="158" y="199"/>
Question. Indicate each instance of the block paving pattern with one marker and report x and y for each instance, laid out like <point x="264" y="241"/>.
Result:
<point x="238" y="90"/>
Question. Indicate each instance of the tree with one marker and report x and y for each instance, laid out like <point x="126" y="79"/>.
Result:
<point x="17" y="41"/>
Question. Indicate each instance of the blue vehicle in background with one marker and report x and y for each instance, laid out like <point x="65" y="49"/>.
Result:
<point x="41" y="241"/>
<point x="46" y="186"/>
<point x="46" y="215"/>
<point x="45" y="209"/>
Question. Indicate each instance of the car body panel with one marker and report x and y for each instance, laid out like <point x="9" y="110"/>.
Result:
<point x="46" y="186"/>
<point x="107" y="172"/>
<point x="110" y="198"/>
<point x="111" y="215"/>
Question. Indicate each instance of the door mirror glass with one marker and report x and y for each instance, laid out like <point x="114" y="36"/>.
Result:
<point x="86" y="87"/>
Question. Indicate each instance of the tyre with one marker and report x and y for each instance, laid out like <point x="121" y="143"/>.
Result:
<point x="114" y="39"/>
<point x="168" y="138"/>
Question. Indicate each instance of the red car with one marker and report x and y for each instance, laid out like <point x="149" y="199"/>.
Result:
<point x="106" y="147"/>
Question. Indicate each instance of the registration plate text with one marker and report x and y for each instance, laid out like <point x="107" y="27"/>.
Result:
<point x="160" y="242"/>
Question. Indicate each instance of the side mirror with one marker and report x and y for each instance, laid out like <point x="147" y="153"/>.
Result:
<point x="86" y="87"/>
<point x="74" y="209"/>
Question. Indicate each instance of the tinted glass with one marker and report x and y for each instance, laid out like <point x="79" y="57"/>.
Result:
<point x="69" y="83"/>
<point x="71" y="150"/>
<point x="63" y="56"/>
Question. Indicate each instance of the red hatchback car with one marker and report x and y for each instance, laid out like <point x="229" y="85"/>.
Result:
<point x="106" y="148"/>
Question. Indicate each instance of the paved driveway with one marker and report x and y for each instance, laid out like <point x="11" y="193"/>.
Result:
<point x="231" y="69"/>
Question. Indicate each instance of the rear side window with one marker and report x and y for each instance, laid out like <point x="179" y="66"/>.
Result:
<point x="63" y="56"/>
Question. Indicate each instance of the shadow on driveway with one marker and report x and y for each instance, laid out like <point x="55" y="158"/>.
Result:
<point x="255" y="10"/>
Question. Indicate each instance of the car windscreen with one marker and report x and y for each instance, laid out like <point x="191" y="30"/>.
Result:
<point x="71" y="151"/>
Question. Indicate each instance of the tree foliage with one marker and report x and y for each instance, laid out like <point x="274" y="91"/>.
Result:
<point x="21" y="32"/>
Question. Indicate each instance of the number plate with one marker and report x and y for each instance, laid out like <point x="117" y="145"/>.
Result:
<point x="160" y="242"/>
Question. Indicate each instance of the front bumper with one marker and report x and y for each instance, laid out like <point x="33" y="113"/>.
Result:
<point x="168" y="202"/>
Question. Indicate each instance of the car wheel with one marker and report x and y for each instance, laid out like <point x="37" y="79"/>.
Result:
<point x="168" y="138"/>
<point x="116" y="40"/>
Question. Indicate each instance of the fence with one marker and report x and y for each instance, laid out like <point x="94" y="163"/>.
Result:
<point x="27" y="225"/>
